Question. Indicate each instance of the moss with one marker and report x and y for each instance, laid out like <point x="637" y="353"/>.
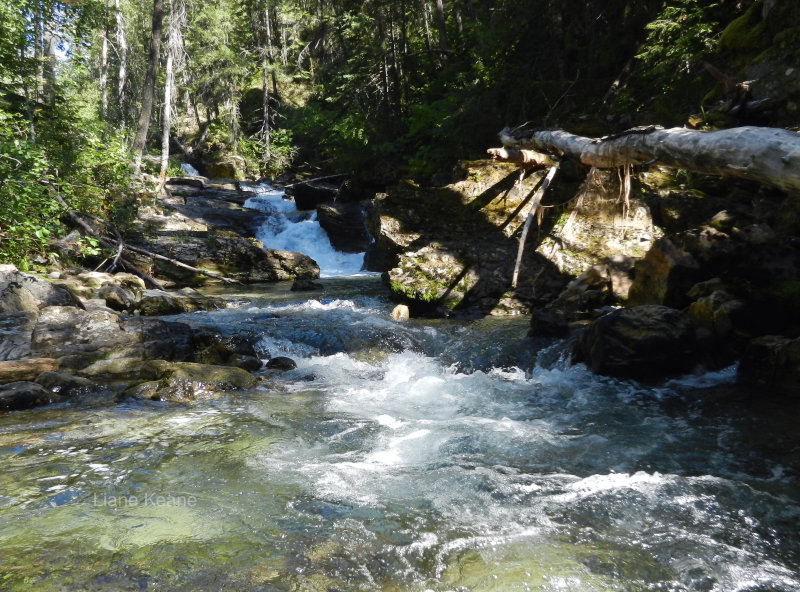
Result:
<point x="744" y="33"/>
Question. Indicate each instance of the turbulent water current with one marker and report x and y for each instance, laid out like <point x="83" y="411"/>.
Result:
<point x="430" y="455"/>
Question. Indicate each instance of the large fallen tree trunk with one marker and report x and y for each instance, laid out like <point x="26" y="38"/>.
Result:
<point x="763" y="154"/>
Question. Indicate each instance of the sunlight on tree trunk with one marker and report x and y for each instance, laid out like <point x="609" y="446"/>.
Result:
<point x="149" y="89"/>
<point x="177" y="18"/>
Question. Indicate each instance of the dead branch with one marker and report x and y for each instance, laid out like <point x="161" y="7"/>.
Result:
<point x="109" y="244"/>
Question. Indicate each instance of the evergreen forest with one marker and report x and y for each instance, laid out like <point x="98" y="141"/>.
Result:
<point x="93" y="92"/>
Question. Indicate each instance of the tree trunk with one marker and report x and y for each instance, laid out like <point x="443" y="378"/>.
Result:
<point x="122" y="51"/>
<point x="104" y="68"/>
<point x="444" y="45"/>
<point x="763" y="154"/>
<point x="149" y="90"/>
<point x="177" y="17"/>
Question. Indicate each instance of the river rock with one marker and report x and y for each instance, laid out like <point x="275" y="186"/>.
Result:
<point x="664" y="275"/>
<point x="755" y="264"/>
<point x="16" y="331"/>
<point x="77" y="337"/>
<point x="160" y="302"/>
<point x="226" y="254"/>
<point x="308" y="195"/>
<point x="66" y="385"/>
<point x="22" y="292"/>
<point x="21" y="370"/>
<point x="182" y="382"/>
<point x="116" y="297"/>
<point x="643" y="342"/>
<point x="345" y="226"/>
<point x="455" y="247"/>
<point x="281" y="363"/>
<point x="772" y="362"/>
<point x="24" y="395"/>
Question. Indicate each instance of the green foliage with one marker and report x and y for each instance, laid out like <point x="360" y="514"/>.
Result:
<point x="29" y="215"/>
<point x="89" y="172"/>
<point x="683" y="35"/>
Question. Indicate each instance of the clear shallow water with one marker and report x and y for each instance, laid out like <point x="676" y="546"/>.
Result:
<point x="423" y="456"/>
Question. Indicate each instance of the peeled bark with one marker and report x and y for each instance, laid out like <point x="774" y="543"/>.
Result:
<point x="767" y="155"/>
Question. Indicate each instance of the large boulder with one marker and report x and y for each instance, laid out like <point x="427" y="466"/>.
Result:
<point x="309" y="195"/>
<point x="22" y="292"/>
<point x="455" y="247"/>
<point x="345" y="226"/>
<point x="223" y="253"/>
<point x="772" y="363"/>
<point x="77" y="337"/>
<point x="643" y="342"/>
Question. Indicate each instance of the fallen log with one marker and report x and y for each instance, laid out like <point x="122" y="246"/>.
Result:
<point x="764" y="154"/>
<point x="19" y="370"/>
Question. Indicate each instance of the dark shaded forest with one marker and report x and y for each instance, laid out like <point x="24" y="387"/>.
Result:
<point x="92" y="92"/>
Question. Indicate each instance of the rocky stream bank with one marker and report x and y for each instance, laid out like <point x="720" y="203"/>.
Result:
<point x="680" y="274"/>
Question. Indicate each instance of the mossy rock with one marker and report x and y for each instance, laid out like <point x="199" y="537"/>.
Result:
<point x="185" y="381"/>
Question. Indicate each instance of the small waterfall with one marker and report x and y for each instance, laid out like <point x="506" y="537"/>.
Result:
<point x="288" y="229"/>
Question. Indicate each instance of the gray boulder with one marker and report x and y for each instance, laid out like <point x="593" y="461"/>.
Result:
<point x="22" y="292"/>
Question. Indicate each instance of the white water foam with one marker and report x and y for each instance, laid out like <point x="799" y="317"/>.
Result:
<point x="301" y="233"/>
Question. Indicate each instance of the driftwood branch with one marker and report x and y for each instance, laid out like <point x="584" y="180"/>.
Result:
<point x="537" y="199"/>
<point x="109" y="244"/>
<point x="29" y="369"/>
<point x="304" y="181"/>
<point x="767" y="155"/>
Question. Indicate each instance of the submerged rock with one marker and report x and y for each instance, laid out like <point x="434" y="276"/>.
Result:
<point x="643" y="342"/>
<point x="305" y="285"/>
<point x="66" y="385"/>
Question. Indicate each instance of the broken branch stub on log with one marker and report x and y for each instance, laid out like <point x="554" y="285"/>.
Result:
<point x="527" y="158"/>
<point x="763" y="154"/>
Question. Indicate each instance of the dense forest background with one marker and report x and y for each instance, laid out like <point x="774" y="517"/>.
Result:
<point x="93" y="91"/>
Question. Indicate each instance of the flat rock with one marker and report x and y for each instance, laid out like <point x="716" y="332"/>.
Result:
<point x="160" y="302"/>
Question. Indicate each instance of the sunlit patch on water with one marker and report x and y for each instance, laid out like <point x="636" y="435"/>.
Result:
<point x="422" y="456"/>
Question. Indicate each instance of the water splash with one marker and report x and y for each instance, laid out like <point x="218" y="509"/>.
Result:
<point x="289" y="230"/>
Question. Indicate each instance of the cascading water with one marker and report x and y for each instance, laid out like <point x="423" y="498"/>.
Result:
<point x="289" y="230"/>
<point x="429" y="455"/>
